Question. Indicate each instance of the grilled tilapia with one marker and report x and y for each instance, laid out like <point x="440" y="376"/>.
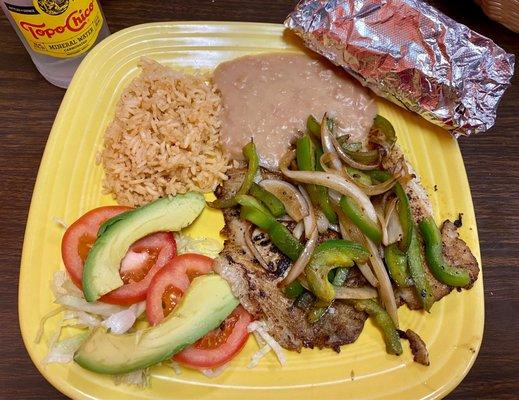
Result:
<point x="257" y="288"/>
<point x="455" y="250"/>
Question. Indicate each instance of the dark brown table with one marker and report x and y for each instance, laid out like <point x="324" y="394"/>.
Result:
<point x="28" y="105"/>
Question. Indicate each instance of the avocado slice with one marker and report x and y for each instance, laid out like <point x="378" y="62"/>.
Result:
<point x="207" y="302"/>
<point x="101" y="270"/>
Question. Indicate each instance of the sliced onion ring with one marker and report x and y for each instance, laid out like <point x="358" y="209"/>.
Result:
<point x="327" y="143"/>
<point x="348" y="234"/>
<point x="389" y="211"/>
<point x="385" y="289"/>
<point x="322" y="222"/>
<point x="368" y="274"/>
<point x="294" y="203"/>
<point x="394" y="229"/>
<point x="330" y="181"/>
<point x="348" y="160"/>
<point x="309" y="221"/>
<point x="370" y="190"/>
<point x="298" y="230"/>
<point x="383" y="224"/>
<point x="302" y="261"/>
<point x="344" y="292"/>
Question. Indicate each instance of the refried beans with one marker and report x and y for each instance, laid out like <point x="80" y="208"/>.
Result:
<point x="268" y="98"/>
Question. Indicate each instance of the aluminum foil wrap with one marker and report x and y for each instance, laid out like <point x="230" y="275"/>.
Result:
<point x="411" y="54"/>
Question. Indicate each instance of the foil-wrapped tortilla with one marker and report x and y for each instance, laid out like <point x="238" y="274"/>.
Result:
<point x="411" y="54"/>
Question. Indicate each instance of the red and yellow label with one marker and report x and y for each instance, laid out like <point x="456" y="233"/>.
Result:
<point x="59" y="28"/>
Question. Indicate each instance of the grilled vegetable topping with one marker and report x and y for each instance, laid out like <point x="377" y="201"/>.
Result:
<point x="396" y="262"/>
<point x="442" y="271"/>
<point x="249" y="151"/>
<point x="366" y="226"/>
<point x="306" y="161"/>
<point x="275" y="206"/>
<point x="416" y="264"/>
<point x="327" y="256"/>
<point x="383" y="321"/>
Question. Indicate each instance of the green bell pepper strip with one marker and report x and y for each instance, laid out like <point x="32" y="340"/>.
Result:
<point x="294" y="290"/>
<point x="306" y="155"/>
<point x="404" y="208"/>
<point x="354" y="150"/>
<point x="313" y="127"/>
<point x="253" y="211"/>
<point x="341" y="274"/>
<point x="275" y="206"/>
<point x="367" y="226"/>
<point x="396" y="262"/>
<point x="378" y="175"/>
<point x="416" y="264"/>
<point x="347" y="146"/>
<point x="404" y="216"/>
<point x="381" y="319"/>
<point x="283" y="239"/>
<point x="359" y="176"/>
<point x="445" y="273"/>
<point x="367" y="157"/>
<point x="318" y="154"/>
<point x="384" y="126"/>
<point x="249" y="152"/>
<point x="337" y="277"/>
<point x="327" y="256"/>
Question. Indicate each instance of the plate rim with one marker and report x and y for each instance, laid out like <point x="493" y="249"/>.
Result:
<point x="69" y="390"/>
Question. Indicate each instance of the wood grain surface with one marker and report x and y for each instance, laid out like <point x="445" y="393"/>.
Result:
<point x="28" y="105"/>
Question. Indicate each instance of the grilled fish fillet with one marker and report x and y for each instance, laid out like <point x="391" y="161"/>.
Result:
<point x="455" y="250"/>
<point x="257" y="289"/>
<point x="457" y="253"/>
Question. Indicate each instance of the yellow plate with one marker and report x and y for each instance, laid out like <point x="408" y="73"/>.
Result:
<point x="69" y="184"/>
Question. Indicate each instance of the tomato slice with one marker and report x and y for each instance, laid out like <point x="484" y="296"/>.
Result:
<point x="220" y="345"/>
<point x="165" y="291"/>
<point x="171" y="282"/>
<point x="145" y="258"/>
<point x="80" y="236"/>
<point x="142" y="261"/>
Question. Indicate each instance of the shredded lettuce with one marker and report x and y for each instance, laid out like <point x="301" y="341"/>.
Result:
<point x="214" y="372"/>
<point x="76" y="312"/>
<point x="261" y="328"/>
<point x="60" y="222"/>
<point x="62" y="351"/>
<point x="209" y="247"/>
<point x="140" y="378"/>
<point x="62" y="285"/>
<point x="176" y="367"/>
<point x="80" y="304"/>
<point x="257" y="356"/>
<point x="45" y="318"/>
<point x="81" y="319"/>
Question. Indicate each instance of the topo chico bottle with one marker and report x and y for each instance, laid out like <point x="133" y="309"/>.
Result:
<point x="57" y="33"/>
